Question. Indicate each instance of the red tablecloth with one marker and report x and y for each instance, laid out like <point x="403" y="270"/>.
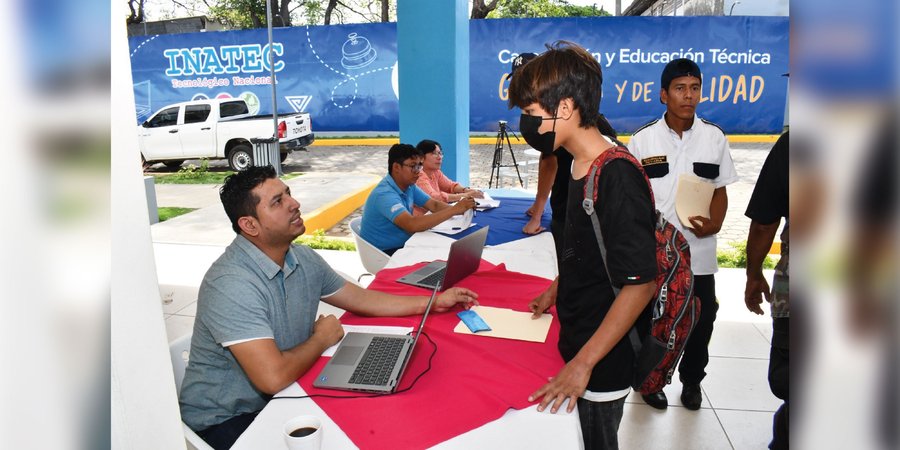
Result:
<point x="473" y="379"/>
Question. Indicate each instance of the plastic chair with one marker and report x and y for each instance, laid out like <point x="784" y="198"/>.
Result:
<point x="179" y="350"/>
<point x="372" y="258"/>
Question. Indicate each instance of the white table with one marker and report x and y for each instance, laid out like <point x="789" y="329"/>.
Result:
<point x="522" y="429"/>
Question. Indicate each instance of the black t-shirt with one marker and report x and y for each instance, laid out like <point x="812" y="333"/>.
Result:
<point x="769" y="201"/>
<point x="559" y="193"/>
<point x="626" y="218"/>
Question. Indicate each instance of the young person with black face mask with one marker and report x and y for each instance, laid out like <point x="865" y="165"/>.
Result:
<point x="559" y="94"/>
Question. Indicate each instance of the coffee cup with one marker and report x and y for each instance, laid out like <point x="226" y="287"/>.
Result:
<point x="303" y="433"/>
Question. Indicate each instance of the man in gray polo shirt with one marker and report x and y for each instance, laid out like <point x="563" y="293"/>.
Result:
<point x="255" y="332"/>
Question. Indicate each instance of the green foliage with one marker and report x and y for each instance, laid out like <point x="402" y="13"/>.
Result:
<point x="168" y="212"/>
<point x="191" y="174"/>
<point x="736" y="257"/>
<point x="543" y="8"/>
<point x="319" y="241"/>
<point x="240" y="13"/>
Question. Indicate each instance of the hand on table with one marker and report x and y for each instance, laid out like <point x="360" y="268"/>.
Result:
<point x="452" y="296"/>
<point x="569" y="383"/>
<point x="533" y="226"/>
<point x="329" y="329"/>
<point x="540" y="304"/>
<point x="464" y="204"/>
<point x="474" y="193"/>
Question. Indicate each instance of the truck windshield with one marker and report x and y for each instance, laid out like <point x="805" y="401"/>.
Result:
<point x="228" y="109"/>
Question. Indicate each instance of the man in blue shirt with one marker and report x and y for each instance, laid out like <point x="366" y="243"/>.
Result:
<point x="256" y="330"/>
<point x="388" y="221"/>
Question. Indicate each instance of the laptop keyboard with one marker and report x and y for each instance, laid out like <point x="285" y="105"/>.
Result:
<point x="378" y="361"/>
<point x="435" y="278"/>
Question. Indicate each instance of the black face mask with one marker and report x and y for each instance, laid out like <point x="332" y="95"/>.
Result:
<point x="542" y="142"/>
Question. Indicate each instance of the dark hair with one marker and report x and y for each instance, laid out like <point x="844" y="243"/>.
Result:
<point x="401" y="152"/>
<point x="426" y="146"/>
<point x="237" y="193"/>
<point x="605" y="127"/>
<point x="565" y="70"/>
<point x="676" y="68"/>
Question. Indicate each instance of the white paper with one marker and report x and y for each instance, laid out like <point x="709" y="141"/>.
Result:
<point x="367" y="329"/>
<point x="456" y="224"/>
<point x="486" y="203"/>
<point x="692" y="198"/>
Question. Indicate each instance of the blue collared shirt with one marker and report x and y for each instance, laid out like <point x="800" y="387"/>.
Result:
<point x="384" y="204"/>
<point x="246" y="296"/>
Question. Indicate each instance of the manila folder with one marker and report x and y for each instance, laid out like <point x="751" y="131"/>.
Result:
<point x="692" y="198"/>
<point x="509" y="324"/>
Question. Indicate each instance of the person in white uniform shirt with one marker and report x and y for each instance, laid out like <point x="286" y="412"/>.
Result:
<point x="679" y="143"/>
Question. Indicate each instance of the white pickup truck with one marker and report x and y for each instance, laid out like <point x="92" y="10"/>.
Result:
<point x="217" y="129"/>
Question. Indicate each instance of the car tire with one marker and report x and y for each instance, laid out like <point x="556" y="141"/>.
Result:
<point x="240" y="158"/>
<point x="174" y="164"/>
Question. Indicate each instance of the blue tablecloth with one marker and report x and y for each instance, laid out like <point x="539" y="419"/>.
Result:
<point x="506" y="221"/>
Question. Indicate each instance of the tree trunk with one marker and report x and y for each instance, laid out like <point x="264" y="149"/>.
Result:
<point x="328" y="10"/>
<point x="135" y="16"/>
<point x="285" y="12"/>
<point x="480" y="10"/>
<point x="385" y="10"/>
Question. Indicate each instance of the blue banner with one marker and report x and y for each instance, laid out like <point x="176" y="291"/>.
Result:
<point x="345" y="76"/>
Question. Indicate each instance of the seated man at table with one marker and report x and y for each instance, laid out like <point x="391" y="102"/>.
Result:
<point x="256" y="330"/>
<point x="388" y="220"/>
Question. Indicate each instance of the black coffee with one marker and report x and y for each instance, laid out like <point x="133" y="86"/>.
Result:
<point x="305" y="431"/>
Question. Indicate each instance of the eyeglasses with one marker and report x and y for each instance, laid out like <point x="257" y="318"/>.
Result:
<point x="414" y="167"/>
<point x="437" y="153"/>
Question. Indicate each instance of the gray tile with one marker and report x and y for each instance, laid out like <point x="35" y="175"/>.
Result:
<point x="738" y="383"/>
<point x="736" y="339"/>
<point x="748" y="430"/>
<point x="676" y="428"/>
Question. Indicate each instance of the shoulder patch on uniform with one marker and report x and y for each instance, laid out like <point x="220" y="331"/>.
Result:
<point x="644" y="126"/>
<point x="713" y="124"/>
<point x="397" y="207"/>
<point x="654" y="160"/>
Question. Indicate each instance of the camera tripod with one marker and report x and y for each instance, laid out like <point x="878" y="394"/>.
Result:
<point x="497" y="161"/>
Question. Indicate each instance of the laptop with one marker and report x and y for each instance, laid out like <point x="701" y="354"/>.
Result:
<point x="464" y="258"/>
<point x="371" y="362"/>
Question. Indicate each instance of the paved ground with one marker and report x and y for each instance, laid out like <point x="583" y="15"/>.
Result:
<point x="372" y="160"/>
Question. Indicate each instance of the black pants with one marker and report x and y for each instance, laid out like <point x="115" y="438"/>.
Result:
<point x="779" y="381"/>
<point x="692" y="369"/>
<point x="223" y="435"/>
<point x="600" y="423"/>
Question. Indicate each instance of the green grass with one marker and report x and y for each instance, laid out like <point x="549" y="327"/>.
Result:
<point x="168" y="212"/>
<point x="736" y="257"/>
<point x="319" y="241"/>
<point x="191" y="174"/>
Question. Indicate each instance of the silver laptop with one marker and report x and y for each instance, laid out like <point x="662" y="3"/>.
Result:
<point x="375" y="362"/>
<point x="464" y="258"/>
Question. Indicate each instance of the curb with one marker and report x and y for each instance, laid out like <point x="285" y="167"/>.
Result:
<point x="330" y="214"/>
<point x="484" y="140"/>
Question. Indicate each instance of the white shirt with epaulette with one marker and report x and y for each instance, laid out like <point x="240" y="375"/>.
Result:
<point x="703" y="151"/>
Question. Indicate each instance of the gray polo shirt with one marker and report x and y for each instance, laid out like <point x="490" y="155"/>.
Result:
<point x="246" y="296"/>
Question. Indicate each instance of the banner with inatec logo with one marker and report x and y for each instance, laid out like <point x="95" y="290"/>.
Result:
<point x="345" y="76"/>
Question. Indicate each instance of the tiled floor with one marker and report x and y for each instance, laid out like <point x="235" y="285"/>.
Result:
<point x="737" y="404"/>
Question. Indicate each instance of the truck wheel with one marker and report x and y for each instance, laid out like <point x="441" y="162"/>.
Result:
<point x="174" y="164"/>
<point x="283" y="156"/>
<point x="240" y="158"/>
